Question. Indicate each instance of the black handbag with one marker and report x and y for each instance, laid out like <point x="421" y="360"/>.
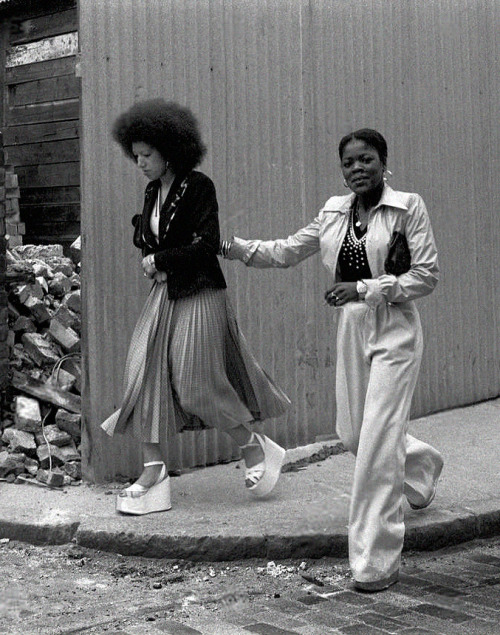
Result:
<point x="398" y="259"/>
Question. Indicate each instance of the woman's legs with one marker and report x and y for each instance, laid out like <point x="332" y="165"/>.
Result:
<point x="150" y="452"/>
<point x="378" y="361"/>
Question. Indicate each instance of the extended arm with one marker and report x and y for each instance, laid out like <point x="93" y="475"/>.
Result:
<point x="283" y="252"/>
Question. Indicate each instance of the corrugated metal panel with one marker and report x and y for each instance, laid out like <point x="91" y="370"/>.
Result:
<point x="275" y="85"/>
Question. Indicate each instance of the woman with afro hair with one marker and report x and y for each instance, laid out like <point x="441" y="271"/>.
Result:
<point x="188" y="365"/>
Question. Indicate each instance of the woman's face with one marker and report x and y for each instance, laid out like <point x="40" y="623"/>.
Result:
<point x="149" y="160"/>
<point x="361" y="166"/>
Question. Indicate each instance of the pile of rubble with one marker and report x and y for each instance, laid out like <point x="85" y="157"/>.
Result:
<point x="40" y="431"/>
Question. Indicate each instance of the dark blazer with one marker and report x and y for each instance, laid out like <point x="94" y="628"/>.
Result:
<point x="190" y="266"/>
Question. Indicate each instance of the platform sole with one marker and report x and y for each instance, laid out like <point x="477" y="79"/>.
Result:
<point x="155" y="499"/>
<point x="274" y="459"/>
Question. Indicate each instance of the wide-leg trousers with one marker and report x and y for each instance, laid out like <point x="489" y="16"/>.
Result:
<point x="378" y="359"/>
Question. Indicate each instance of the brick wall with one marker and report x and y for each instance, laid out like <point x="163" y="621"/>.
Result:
<point x="4" y="326"/>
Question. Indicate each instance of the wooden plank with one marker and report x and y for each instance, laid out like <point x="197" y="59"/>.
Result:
<point x="27" y="10"/>
<point x="40" y="195"/>
<point x="44" y="90"/>
<point x="38" y="113"/>
<point x="50" y="152"/>
<point x="46" y="49"/>
<point x="50" y="175"/>
<point x="33" y="133"/>
<point x="50" y="213"/>
<point x="52" y="233"/>
<point x="47" y="392"/>
<point x="31" y="28"/>
<point x="40" y="70"/>
<point x="4" y="33"/>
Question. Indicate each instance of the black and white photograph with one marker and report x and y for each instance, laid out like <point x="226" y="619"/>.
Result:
<point x="249" y="317"/>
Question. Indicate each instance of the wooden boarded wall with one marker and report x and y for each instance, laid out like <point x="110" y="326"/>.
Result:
<point x="40" y="119"/>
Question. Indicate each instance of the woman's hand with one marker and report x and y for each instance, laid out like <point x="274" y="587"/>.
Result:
<point x="341" y="293"/>
<point x="160" y="276"/>
<point x="148" y="266"/>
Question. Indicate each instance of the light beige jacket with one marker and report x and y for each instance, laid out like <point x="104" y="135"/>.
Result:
<point x="399" y="211"/>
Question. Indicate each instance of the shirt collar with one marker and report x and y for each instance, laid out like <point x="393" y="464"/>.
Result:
<point x="390" y="197"/>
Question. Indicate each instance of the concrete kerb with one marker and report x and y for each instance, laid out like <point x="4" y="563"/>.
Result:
<point x="442" y="529"/>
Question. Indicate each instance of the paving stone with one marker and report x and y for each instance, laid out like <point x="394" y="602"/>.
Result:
<point x="439" y="590"/>
<point x="416" y="631"/>
<point x="268" y="629"/>
<point x="357" y="599"/>
<point x="443" y="579"/>
<point x="289" y="606"/>
<point x="384" y="608"/>
<point x="443" y="613"/>
<point x="381" y="621"/>
<point x="488" y="559"/>
<point x="360" y="629"/>
<point x="278" y="619"/>
<point x="309" y="600"/>
<point x="331" y="620"/>
<point x="175" y="628"/>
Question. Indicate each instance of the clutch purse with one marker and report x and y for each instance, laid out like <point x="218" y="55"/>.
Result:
<point x="398" y="259"/>
<point x="138" y="238"/>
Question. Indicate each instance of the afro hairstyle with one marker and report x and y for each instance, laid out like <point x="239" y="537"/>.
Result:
<point x="170" y="128"/>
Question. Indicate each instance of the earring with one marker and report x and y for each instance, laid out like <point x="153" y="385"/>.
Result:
<point x="345" y="183"/>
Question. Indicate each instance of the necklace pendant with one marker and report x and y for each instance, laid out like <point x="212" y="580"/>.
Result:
<point x="358" y="223"/>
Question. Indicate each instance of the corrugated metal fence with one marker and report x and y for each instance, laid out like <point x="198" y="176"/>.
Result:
<point x="275" y="84"/>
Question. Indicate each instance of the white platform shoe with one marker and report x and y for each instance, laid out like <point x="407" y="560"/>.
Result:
<point x="139" y="500"/>
<point x="265" y="475"/>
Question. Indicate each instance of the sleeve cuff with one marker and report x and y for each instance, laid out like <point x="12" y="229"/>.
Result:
<point x="374" y="295"/>
<point x="242" y="249"/>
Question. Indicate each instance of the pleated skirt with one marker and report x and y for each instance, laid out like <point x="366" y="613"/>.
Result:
<point x="189" y="368"/>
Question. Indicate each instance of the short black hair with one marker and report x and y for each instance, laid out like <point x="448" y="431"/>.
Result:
<point x="170" y="128"/>
<point x="370" y="137"/>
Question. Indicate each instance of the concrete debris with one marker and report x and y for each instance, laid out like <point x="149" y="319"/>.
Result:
<point x="52" y="479"/>
<point x="65" y="336"/>
<point x="27" y="415"/>
<point x="76" y="250"/>
<point x="43" y="452"/>
<point x="52" y="434"/>
<point x="44" y="333"/>
<point x="69" y="422"/>
<point x="41" y="350"/>
<point x="19" y="441"/>
<point x="11" y="463"/>
<point x="60" y="285"/>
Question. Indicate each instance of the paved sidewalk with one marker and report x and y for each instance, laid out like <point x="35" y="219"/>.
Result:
<point x="213" y="518"/>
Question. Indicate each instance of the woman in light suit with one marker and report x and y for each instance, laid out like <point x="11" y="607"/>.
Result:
<point x="379" y="345"/>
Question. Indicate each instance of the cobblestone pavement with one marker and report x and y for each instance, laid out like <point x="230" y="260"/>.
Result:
<point x="63" y="590"/>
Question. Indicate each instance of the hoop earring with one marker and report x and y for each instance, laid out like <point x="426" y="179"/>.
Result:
<point x="345" y="183"/>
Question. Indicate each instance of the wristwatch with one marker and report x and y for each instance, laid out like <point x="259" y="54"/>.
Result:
<point x="361" y="288"/>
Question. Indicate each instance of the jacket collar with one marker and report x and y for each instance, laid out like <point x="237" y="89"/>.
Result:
<point x="390" y="197"/>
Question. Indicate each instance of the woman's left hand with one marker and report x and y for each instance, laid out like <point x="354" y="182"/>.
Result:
<point x="148" y="266"/>
<point x="341" y="293"/>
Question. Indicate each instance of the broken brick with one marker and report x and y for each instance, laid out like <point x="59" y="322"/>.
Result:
<point x="65" y="336"/>
<point x="40" y="350"/>
<point x="20" y="441"/>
